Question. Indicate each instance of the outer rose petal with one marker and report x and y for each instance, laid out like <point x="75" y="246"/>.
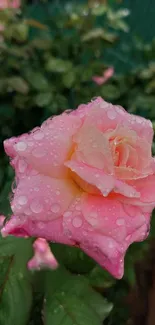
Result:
<point x="104" y="230"/>
<point x="46" y="148"/>
<point x="42" y="198"/>
<point x="43" y="256"/>
<point x="107" y="116"/>
<point x="146" y="188"/>
<point x="51" y="230"/>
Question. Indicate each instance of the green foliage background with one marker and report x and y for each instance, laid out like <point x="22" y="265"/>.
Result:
<point x="49" y="52"/>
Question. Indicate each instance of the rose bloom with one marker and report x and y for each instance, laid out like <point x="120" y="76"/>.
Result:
<point x="85" y="178"/>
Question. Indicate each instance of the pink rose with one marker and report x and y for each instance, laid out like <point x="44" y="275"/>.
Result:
<point x="107" y="74"/>
<point x="87" y="179"/>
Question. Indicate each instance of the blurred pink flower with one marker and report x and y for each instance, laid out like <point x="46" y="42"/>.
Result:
<point x="5" y="4"/>
<point x="2" y="218"/>
<point x="43" y="256"/>
<point x="85" y="179"/>
<point x="107" y="74"/>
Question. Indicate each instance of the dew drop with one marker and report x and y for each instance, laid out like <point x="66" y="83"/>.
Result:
<point x="77" y="222"/>
<point x="57" y="192"/>
<point x="22" y="200"/>
<point x="30" y="144"/>
<point x="36" y="206"/>
<point x="38" y="135"/>
<point x="41" y="225"/>
<point x="22" y="165"/>
<point x="21" y="146"/>
<point x="78" y="208"/>
<point x="38" y="152"/>
<point x="28" y="212"/>
<point x="36" y="189"/>
<point x="67" y="214"/>
<point x="93" y="215"/>
<point x="120" y="222"/>
<point x="55" y="208"/>
<point x="111" y="114"/>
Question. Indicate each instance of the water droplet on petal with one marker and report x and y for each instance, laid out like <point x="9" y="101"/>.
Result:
<point x="22" y="200"/>
<point x="28" y="212"/>
<point x="21" y="146"/>
<point x="36" y="206"/>
<point x="38" y="152"/>
<point x="93" y="214"/>
<point x="120" y="222"/>
<point x="78" y="208"/>
<point x="55" y="208"/>
<point x="36" y="189"/>
<point x="22" y="165"/>
<point x="77" y="222"/>
<point x="67" y="214"/>
<point x="111" y="114"/>
<point x="57" y="192"/>
<point x="41" y="225"/>
<point x="38" y="135"/>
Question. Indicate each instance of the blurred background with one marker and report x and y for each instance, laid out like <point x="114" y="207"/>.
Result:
<point x="57" y="54"/>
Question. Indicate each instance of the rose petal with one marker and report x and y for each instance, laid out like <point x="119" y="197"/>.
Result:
<point x="41" y="197"/>
<point x="93" y="176"/>
<point x="50" y="230"/>
<point x="93" y="148"/>
<point x="107" y="117"/>
<point x="103" y="182"/>
<point x="46" y="148"/>
<point x="104" y="230"/>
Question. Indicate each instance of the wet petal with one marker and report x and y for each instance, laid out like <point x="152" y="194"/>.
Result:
<point x="93" y="176"/>
<point x="46" y="148"/>
<point x="107" y="116"/>
<point x="43" y="256"/>
<point x="93" y="148"/>
<point x="42" y="198"/>
<point x="50" y="230"/>
<point x="104" y="229"/>
<point x="103" y="182"/>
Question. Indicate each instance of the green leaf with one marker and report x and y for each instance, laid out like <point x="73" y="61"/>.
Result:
<point x="100" y="278"/>
<point x="18" y="84"/>
<point x="43" y="99"/>
<point x="110" y="92"/>
<point x="36" y="80"/>
<point x="68" y="79"/>
<point x="58" y="65"/>
<point x="71" y="301"/>
<point x="20" y="32"/>
<point x="73" y="258"/>
<point x="99" y="33"/>
<point x="42" y="44"/>
<point x="99" y="10"/>
<point x="15" y="285"/>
